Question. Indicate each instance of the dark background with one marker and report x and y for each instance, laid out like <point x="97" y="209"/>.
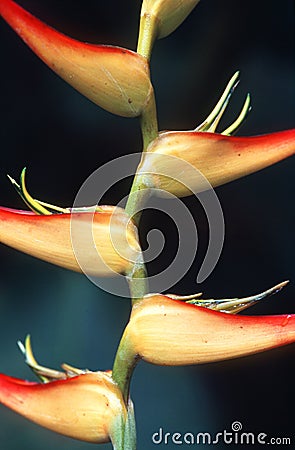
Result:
<point x="62" y="137"/>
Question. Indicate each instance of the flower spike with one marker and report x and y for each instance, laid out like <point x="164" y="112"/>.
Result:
<point x="114" y="78"/>
<point x="169" y="332"/>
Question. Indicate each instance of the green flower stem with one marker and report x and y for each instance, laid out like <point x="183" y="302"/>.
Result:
<point x="139" y="193"/>
<point x="147" y="35"/>
<point x="124" y="364"/>
<point x="123" y="430"/>
<point x="138" y="282"/>
<point x="149" y="122"/>
<point x="126" y="358"/>
<point x="137" y="198"/>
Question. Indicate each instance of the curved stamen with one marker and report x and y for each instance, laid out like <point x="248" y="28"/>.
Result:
<point x="240" y="119"/>
<point x="45" y="374"/>
<point x="216" y="121"/>
<point x="184" y="298"/>
<point x="30" y="201"/>
<point x="221" y="104"/>
<point x="37" y="206"/>
<point x="236" y="305"/>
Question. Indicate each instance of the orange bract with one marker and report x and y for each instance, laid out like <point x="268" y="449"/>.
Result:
<point x="179" y="161"/>
<point x="84" y="407"/>
<point x="101" y="243"/>
<point x="114" y="78"/>
<point x="169" y="332"/>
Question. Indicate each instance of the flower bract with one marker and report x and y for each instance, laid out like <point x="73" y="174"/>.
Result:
<point x="85" y="407"/>
<point x="170" y="332"/>
<point x="99" y="243"/>
<point x="117" y="79"/>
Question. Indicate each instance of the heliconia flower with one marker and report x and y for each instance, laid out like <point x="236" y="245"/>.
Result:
<point x="170" y="332"/>
<point x="114" y="78"/>
<point x="186" y="162"/>
<point x="87" y="407"/>
<point x="178" y="162"/>
<point x="78" y="403"/>
<point x="106" y="238"/>
<point x="168" y="14"/>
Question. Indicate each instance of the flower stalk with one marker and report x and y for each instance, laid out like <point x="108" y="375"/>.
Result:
<point x="123" y="367"/>
<point x="147" y="35"/>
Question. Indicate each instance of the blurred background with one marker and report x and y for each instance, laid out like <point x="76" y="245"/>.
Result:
<point x="62" y="138"/>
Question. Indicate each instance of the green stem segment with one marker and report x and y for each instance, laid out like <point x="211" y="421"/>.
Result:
<point x="123" y="367"/>
<point x="139" y="193"/>
<point x="149" y="121"/>
<point x="137" y="198"/>
<point x="147" y="35"/>
<point x="140" y="188"/>
<point x="138" y="282"/>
